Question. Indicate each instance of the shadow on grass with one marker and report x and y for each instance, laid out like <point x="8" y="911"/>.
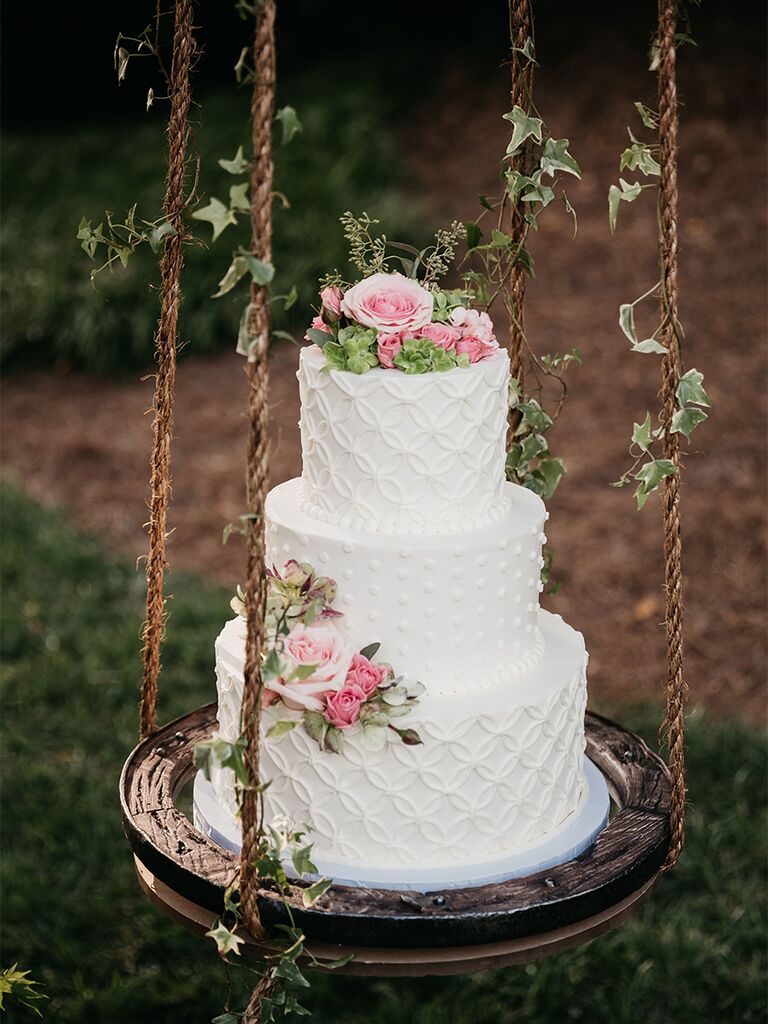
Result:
<point x="72" y="913"/>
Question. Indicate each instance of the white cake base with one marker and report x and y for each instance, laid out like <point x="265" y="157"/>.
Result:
<point x="575" y="835"/>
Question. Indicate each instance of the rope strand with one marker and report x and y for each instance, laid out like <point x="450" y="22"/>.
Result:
<point x="676" y="690"/>
<point x="165" y="348"/>
<point x="262" y="111"/>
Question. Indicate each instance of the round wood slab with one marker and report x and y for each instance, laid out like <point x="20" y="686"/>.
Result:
<point x="393" y="932"/>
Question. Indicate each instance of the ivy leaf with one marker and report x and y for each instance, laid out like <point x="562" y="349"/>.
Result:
<point x="650" y="476"/>
<point x="281" y="728"/>
<point x="649" y="117"/>
<point x="649" y="345"/>
<point x="226" y="941"/>
<point x="685" y="421"/>
<point x="501" y="240"/>
<point x="533" y="417"/>
<point x="627" y="194"/>
<point x="334" y="740"/>
<point x="218" y="216"/>
<point x="639" y="158"/>
<point x="226" y="1018"/>
<point x="369" y="652"/>
<point x="539" y="194"/>
<point x="302" y="861"/>
<point x="551" y="470"/>
<point x="157" y="234"/>
<point x="237" y="165"/>
<point x="288" y="971"/>
<point x="238" y="268"/>
<point x="525" y="127"/>
<point x="373" y="737"/>
<point x="485" y="203"/>
<point x="315" y="725"/>
<point x="627" y="321"/>
<point x="474" y="234"/>
<point x="690" y="390"/>
<point x="247" y="344"/>
<point x="641" y="433"/>
<point x="312" y="894"/>
<point x="557" y="158"/>
<point x="238" y="197"/>
<point x="290" y="123"/>
<point x="262" y="273"/>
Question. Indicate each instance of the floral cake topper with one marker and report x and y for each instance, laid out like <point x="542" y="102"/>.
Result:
<point x="396" y="320"/>
<point x="310" y="667"/>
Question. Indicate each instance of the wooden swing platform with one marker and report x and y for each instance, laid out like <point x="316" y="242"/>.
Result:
<point x="391" y="933"/>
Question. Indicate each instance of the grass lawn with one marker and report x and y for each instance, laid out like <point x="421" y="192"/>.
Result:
<point x="72" y="912"/>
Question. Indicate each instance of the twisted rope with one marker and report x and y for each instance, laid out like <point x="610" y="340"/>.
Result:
<point x="165" y="348"/>
<point x="262" y="112"/>
<point x="520" y="29"/>
<point x="674" y="722"/>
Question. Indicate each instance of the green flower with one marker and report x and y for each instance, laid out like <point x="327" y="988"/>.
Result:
<point x="446" y="302"/>
<point x="355" y="350"/>
<point x="420" y="355"/>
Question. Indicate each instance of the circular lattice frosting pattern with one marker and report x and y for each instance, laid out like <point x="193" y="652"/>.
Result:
<point x="398" y="453"/>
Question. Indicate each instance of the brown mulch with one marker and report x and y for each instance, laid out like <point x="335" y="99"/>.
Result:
<point x="84" y="441"/>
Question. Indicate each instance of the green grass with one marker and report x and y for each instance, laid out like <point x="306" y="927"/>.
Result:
<point x="72" y="912"/>
<point x="346" y="158"/>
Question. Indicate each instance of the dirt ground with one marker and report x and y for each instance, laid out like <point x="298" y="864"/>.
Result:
<point x="84" y="442"/>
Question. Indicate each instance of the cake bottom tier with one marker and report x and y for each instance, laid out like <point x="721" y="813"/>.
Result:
<point x="496" y="774"/>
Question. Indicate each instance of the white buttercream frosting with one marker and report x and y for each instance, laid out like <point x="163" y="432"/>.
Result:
<point x="399" y="453"/>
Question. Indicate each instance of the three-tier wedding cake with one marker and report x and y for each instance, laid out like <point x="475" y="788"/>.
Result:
<point x="403" y="521"/>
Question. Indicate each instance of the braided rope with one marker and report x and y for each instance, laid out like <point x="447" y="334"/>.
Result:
<point x="520" y="29"/>
<point x="674" y="722"/>
<point x="165" y="348"/>
<point x="262" y="112"/>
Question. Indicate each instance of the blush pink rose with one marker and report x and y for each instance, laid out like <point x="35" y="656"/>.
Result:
<point x="342" y="708"/>
<point x="318" y="325"/>
<point x="323" y="646"/>
<point x="476" y="348"/>
<point x="331" y="300"/>
<point x="387" y="348"/>
<point x="365" y="674"/>
<point x="472" y="322"/>
<point x="389" y="303"/>
<point x="441" y="335"/>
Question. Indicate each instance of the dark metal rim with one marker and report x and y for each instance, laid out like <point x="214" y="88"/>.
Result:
<point x="629" y="852"/>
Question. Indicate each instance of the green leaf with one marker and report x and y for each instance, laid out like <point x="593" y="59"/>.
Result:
<point x="639" y="158"/>
<point x="551" y="470"/>
<point x="312" y="894"/>
<point x="281" y="728"/>
<point x="641" y="433"/>
<point x="474" y="234"/>
<point x="525" y="127"/>
<point x="272" y="667"/>
<point x="690" y="390"/>
<point x="237" y="165"/>
<point x="334" y="740"/>
<point x="369" y="652"/>
<point x="627" y="320"/>
<point x="238" y="197"/>
<point x="290" y="123"/>
<point x="302" y="861"/>
<point x="627" y="194"/>
<point x="238" y="268"/>
<point x="288" y="971"/>
<point x="649" y="345"/>
<point x="485" y="203"/>
<point x="315" y="725"/>
<point x="247" y="344"/>
<point x="533" y="417"/>
<point x="218" y="216"/>
<point x="226" y="1018"/>
<point x="684" y="421"/>
<point x="501" y="240"/>
<point x="557" y="158"/>
<point x="157" y="234"/>
<point x="319" y="337"/>
<point x="649" y="117"/>
<point x="650" y="476"/>
<point x="539" y="194"/>
<point x="262" y="273"/>
<point x="373" y="738"/>
<point x="226" y="941"/>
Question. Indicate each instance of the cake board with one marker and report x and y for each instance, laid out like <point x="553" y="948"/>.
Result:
<point x="391" y="932"/>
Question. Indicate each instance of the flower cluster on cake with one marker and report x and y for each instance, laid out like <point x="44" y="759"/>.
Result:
<point x="310" y="667"/>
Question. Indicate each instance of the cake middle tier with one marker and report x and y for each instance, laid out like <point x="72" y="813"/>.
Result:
<point x="393" y="452"/>
<point x="457" y="612"/>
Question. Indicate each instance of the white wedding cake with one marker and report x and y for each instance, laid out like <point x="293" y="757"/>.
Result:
<point x="403" y="503"/>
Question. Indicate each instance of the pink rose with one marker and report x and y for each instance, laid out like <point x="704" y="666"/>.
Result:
<point x="441" y="335"/>
<point x="342" y="709"/>
<point x="323" y="646"/>
<point x="472" y="322"/>
<point x="389" y="303"/>
<point x="475" y="347"/>
<point x="318" y="325"/>
<point x="365" y="675"/>
<point x="331" y="300"/>
<point x="388" y="347"/>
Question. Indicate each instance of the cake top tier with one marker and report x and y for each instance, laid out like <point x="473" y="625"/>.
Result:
<point x="404" y="453"/>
